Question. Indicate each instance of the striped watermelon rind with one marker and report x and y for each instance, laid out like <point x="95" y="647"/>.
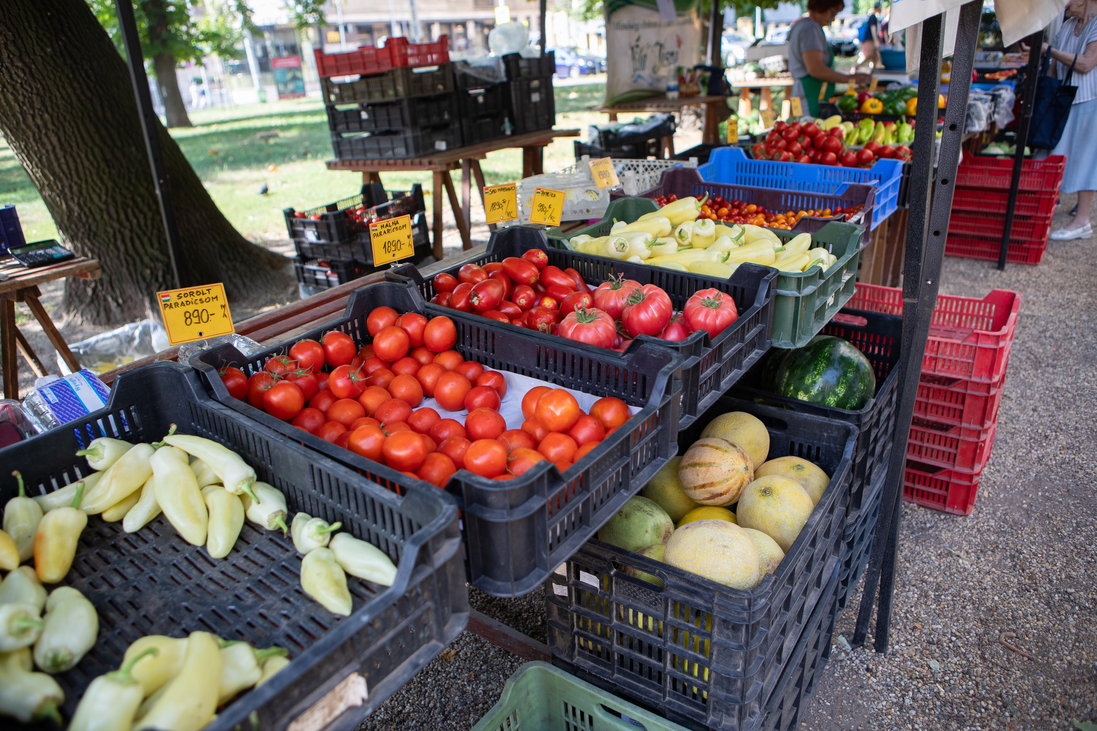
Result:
<point x="828" y="371"/>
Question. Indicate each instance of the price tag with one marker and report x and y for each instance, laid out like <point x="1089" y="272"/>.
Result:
<point x="823" y="91"/>
<point x="391" y="240"/>
<point x="604" y="174"/>
<point x="546" y="207"/>
<point x="195" y="313"/>
<point x="797" y="107"/>
<point x="873" y="84"/>
<point x="767" y="118"/>
<point x="501" y="203"/>
<point x="733" y="131"/>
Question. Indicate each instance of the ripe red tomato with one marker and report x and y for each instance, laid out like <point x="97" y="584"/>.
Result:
<point x="449" y="359"/>
<point x="309" y="355"/>
<point x="373" y="364"/>
<point x="346" y="411"/>
<point x="345" y="383"/>
<point x="455" y="448"/>
<point x="306" y="381"/>
<point x="541" y="319"/>
<point x="495" y="380"/>
<point x="365" y="351"/>
<point x="445" y="283"/>
<point x="259" y="384"/>
<point x="440" y="334"/>
<point x="471" y="273"/>
<point x="486" y="295"/>
<point x="322" y="401"/>
<point x="529" y="401"/>
<point x="523" y="296"/>
<point x="865" y="156"/>
<point x="514" y="439"/>
<point x="404" y="451"/>
<point x="558" y="447"/>
<point x="423" y="420"/>
<point x="382" y="378"/>
<point x="363" y="421"/>
<point x="611" y="411"/>
<point x="451" y="390"/>
<point x="405" y="366"/>
<point x="367" y="441"/>
<point x="710" y="310"/>
<point x="330" y="431"/>
<point x="647" y="311"/>
<point x="422" y="354"/>
<point x="586" y="449"/>
<point x="522" y="460"/>
<point x="612" y="296"/>
<point x="436" y="469"/>
<point x="470" y="369"/>
<point x="379" y="319"/>
<point x="338" y="349"/>
<point x="557" y="410"/>
<point x="486" y="457"/>
<point x="535" y="429"/>
<point x="235" y="382"/>
<point x="391" y="344"/>
<point x="459" y="298"/>
<point x="580" y="283"/>
<point x="414" y="325"/>
<point x="428" y="377"/>
<point x="828" y="158"/>
<point x="537" y="256"/>
<point x="576" y="301"/>
<point x="482" y="397"/>
<point x="503" y="279"/>
<point x="279" y="365"/>
<point x="587" y="429"/>
<point x="309" y="419"/>
<point x="676" y="330"/>
<point x="521" y="271"/>
<point x="407" y="389"/>
<point x="592" y="327"/>
<point x="484" y="424"/>
<point x="392" y="411"/>
<point x="446" y="428"/>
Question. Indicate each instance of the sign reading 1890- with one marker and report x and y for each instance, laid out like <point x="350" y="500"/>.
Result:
<point x="391" y="240"/>
<point x="195" y="313"/>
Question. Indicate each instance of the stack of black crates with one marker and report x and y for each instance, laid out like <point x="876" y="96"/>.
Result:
<point x="531" y="105"/>
<point x="333" y="244"/>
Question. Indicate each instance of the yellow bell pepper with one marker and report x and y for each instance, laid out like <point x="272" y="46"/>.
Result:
<point x="872" y="105"/>
<point x="912" y="106"/>
<point x="940" y="101"/>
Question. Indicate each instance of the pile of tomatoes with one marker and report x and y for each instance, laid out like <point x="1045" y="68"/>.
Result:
<point x="716" y="208"/>
<point x="529" y="292"/>
<point x="372" y="401"/>
<point x="809" y="143"/>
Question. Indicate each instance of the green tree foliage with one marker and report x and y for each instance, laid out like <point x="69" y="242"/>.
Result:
<point x="186" y="39"/>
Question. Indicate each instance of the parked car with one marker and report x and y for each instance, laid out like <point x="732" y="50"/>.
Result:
<point x="778" y="36"/>
<point x="734" y="47"/>
<point x="572" y="63"/>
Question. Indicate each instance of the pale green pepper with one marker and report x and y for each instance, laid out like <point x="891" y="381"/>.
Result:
<point x="62" y="497"/>
<point x="204" y="473"/>
<point x="362" y="559"/>
<point x="116" y="512"/>
<point x="23" y="586"/>
<point x="226" y="520"/>
<point x="154" y="672"/>
<point x="241" y="668"/>
<point x="24" y="695"/>
<point x="123" y="478"/>
<point x="104" y="452"/>
<point x="111" y="701"/>
<point x="188" y="702"/>
<point x="56" y="538"/>
<point x="324" y="580"/>
<point x="684" y="234"/>
<point x="21" y="516"/>
<point x="20" y="626"/>
<point x="704" y="233"/>
<point x="269" y="511"/>
<point x="271" y="667"/>
<point x="71" y="626"/>
<point x="178" y="495"/>
<point x="144" y="510"/>
<point x="235" y="474"/>
<point x="310" y="533"/>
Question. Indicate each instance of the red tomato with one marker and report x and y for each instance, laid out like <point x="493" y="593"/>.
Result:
<point x="580" y="283"/>
<point x="368" y="442"/>
<point x="436" y="469"/>
<point x="414" y="325"/>
<point x="503" y="279"/>
<point x="309" y="354"/>
<point x="382" y="378"/>
<point x="529" y="401"/>
<point x="459" y="298"/>
<point x="455" y="448"/>
<point x="338" y="349"/>
<point x="482" y="397"/>
<point x="647" y="311"/>
<point x="259" y="384"/>
<point x="423" y="354"/>
<point x="495" y="380"/>
<point x="849" y="159"/>
<point x="422" y="420"/>
<point x="587" y="429"/>
<point x="330" y="431"/>
<point x="829" y="158"/>
<point x="406" y="366"/>
<point x="428" y="377"/>
<point x="443" y="299"/>
<point x="279" y="365"/>
<point x="486" y="457"/>
<point x="508" y="309"/>
<point x="365" y="351"/>
<point x="523" y="296"/>
<point x="396" y="426"/>
<point x="484" y="424"/>
<point x="522" y="460"/>
<point x="592" y="327"/>
<point x="446" y="428"/>
<point x="471" y="273"/>
<point x="373" y="397"/>
<point x="391" y="344"/>
<point x="558" y="447"/>
<point x="865" y="156"/>
<point x="322" y="401"/>
<point x="541" y="319"/>
<point x="345" y="383"/>
<point x="322" y="379"/>
<point x="551" y="275"/>
<point x="404" y="451"/>
<point x="514" y="439"/>
<point x="486" y="295"/>
<point x="710" y="310"/>
<point x="346" y="411"/>
<point x="407" y="389"/>
<point x="449" y="359"/>
<point x="470" y="369"/>
<point x="428" y="443"/>
<point x="535" y="429"/>
<point x="379" y="319"/>
<point x="235" y="382"/>
<point x="576" y="301"/>
<point x="676" y="330"/>
<point x="520" y="271"/>
<point x="496" y="315"/>
<point x="393" y="411"/>
<point x="557" y="410"/>
<point x="493" y="266"/>
<point x="440" y="334"/>
<point x="610" y="297"/>
<point x="363" y="421"/>
<point x="445" y="282"/>
<point x="306" y="381"/>
<point x="451" y="390"/>
<point x="611" y="411"/>
<point x="586" y="449"/>
<point x="559" y="293"/>
<point x="373" y="364"/>
<point x="309" y="419"/>
<point x="537" y="256"/>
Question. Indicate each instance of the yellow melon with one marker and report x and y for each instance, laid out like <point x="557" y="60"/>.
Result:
<point x="777" y="506"/>
<point x="769" y="552"/>
<point x="807" y="474"/>
<point x="706" y="512"/>
<point x="741" y="428"/>
<point x="666" y="490"/>
<point x="714" y="471"/>
<point x="718" y="551"/>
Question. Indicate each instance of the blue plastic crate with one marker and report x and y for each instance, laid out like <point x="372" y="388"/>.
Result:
<point x="732" y="166"/>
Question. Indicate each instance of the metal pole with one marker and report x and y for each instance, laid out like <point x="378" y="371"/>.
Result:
<point x="544" y="27"/>
<point x="1036" y="48"/>
<point x="926" y="235"/>
<point x="715" y="34"/>
<point x="150" y="128"/>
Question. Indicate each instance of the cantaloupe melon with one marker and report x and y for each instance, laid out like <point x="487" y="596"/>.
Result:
<point x="769" y="553"/>
<point x="807" y="474"/>
<point x="777" y="506"/>
<point x="744" y="429"/>
<point x="714" y="471"/>
<point x="666" y="490"/>
<point x="718" y="551"/>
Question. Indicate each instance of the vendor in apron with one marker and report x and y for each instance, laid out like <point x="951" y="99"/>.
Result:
<point x="810" y="60"/>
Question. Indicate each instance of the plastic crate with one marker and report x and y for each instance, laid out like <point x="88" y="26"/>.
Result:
<point x="878" y="337"/>
<point x="1037" y="176"/>
<point x="684" y="183"/>
<point x="582" y="198"/>
<point x="645" y="642"/>
<point x="639" y="151"/>
<point x="995" y="201"/>
<point x="958" y="402"/>
<point x="969" y="338"/>
<point x="489" y="100"/>
<point x="153" y="582"/>
<point x="518" y="66"/>
<point x="622" y="209"/>
<point x="732" y="166"/>
<point x="710" y="365"/>
<point x="327" y="275"/>
<point x="954" y="447"/>
<point x="342" y="221"/>
<point x="397" y="144"/>
<point x="635" y="176"/>
<point x="397" y="52"/>
<point x="531" y="104"/>
<point x="397" y="83"/>
<point x="414" y="112"/>
<point x="519" y="530"/>
<point x="966" y="247"/>
<point x="950" y="491"/>
<point x="859" y="535"/>
<point x="418" y="54"/>
<point x="352" y="260"/>
<point x="1025" y="229"/>
<point x="539" y="697"/>
<point x="483" y="129"/>
<point x="701" y="153"/>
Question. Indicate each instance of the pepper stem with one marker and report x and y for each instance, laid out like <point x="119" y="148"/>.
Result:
<point x="79" y="495"/>
<point x="49" y="710"/>
<point x="280" y="522"/>
<point x="262" y="655"/>
<point x="26" y="623"/>
<point x="22" y="488"/>
<point x="158" y="445"/>
<point x="332" y="527"/>
<point x="251" y="493"/>
<point x="95" y="451"/>
<point x="123" y="674"/>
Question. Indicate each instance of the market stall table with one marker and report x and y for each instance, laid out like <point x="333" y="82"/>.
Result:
<point x="662" y="105"/>
<point x="20" y="284"/>
<point x="764" y="86"/>
<point x="468" y="160"/>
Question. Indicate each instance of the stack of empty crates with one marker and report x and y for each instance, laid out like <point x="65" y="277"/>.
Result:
<point x="530" y="103"/>
<point x="392" y="102"/>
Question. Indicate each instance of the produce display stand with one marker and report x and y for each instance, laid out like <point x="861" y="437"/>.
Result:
<point x="662" y="105"/>
<point x="467" y="159"/>
<point x="765" y="87"/>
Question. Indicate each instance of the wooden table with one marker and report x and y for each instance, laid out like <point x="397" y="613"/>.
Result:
<point x="662" y="105"/>
<point x="20" y="284"/>
<point x="764" y="87"/>
<point x="468" y="160"/>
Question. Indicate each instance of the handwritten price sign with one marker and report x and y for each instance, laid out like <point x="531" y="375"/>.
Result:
<point x="195" y="313"/>
<point x="797" y="107"/>
<point x="546" y="207"/>
<point x="391" y="240"/>
<point x="604" y="174"/>
<point x="733" y="131"/>
<point x="767" y="118"/>
<point x="501" y="203"/>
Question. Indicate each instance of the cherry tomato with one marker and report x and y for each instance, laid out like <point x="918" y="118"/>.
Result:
<point x="346" y="411"/>
<point x="414" y="325"/>
<point x="428" y="377"/>
<point x="455" y="448"/>
<point x="345" y="383"/>
<point x="445" y="282"/>
<point x="611" y="411"/>
<point x="368" y="442"/>
<point x="529" y="401"/>
<point x="236" y="382"/>
<point x="330" y="431"/>
<point x="436" y="469"/>
<point x="470" y="369"/>
<point x="522" y="460"/>
<point x="422" y="420"/>
<point x="379" y="319"/>
<point x="495" y="380"/>
<point x="537" y="256"/>
<point x="309" y="419"/>
<point x="451" y="390"/>
<point x="322" y="401"/>
<point x="338" y="349"/>
<point x="484" y="424"/>
<point x="482" y="397"/>
<point x="535" y="429"/>
<point x="514" y="439"/>
<point x="392" y="411"/>
<point x="405" y="366"/>
<point x="404" y="451"/>
<point x="587" y="429"/>
<point x="558" y="447"/>
<point x="423" y="354"/>
<point x="391" y="344"/>
<point x="309" y="354"/>
<point x="440" y="334"/>
<point x="471" y="273"/>
<point x="486" y="457"/>
<point x="449" y="359"/>
<point x="259" y="384"/>
<point x="407" y="389"/>
<point x="446" y="428"/>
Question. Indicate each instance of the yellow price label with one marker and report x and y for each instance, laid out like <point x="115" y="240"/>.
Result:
<point x="195" y="313"/>
<point x="797" y="107"/>
<point x="873" y="84"/>
<point x="604" y="174"/>
<point x="823" y="91"/>
<point x="767" y="118"/>
<point x="501" y="202"/>
<point x="546" y="207"/>
<point x="391" y="240"/>
<point x="733" y="131"/>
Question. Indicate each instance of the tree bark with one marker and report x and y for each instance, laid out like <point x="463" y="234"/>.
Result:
<point x="163" y="64"/>
<point x="68" y="110"/>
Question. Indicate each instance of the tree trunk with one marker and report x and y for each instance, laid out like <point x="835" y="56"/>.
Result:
<point x="174" y="108"/>
<point x="68" y="110"/>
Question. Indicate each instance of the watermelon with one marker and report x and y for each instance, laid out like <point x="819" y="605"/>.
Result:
<point x="827" y="371"/>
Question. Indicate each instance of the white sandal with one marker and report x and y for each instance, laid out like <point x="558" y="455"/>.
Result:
<point x="1069" y="234"/>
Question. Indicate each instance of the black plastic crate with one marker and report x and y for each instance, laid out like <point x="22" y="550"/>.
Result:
<point x="531" y="104"/>
<point x="152" y="582"/>
<point x="518" y="66"/>
<point x="483" y="129"/>
<point x="700" y="153"/>
<point x="616" y="135"/>
<point x="516" y="531"/>
<point x="397" y="144"/>
<point x="489" y="100"/>
<point x="878" y="336"/>
<point x="904" y="188"/>
<point x="339" y="222"/>
<point x="860" y="532"/>
<point x="360" y="248"/>
<point x="710" y="365"/>
<point x="397" y="83"/>
<point x="327" y="275"/>
<point x="644" y="643"/>
<point x="415" y="112"/>
<point x="641" y="151"/>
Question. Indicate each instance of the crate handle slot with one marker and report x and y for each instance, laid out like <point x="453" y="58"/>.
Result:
<point x="614" y="718"/>
<point x="847" y="319"/>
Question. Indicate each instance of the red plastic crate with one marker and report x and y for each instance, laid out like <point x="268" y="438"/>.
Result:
<point x="954" y="447"/>
<point x="1025" y="229"/>
<point x="958" y="401"/>
<point x="985" y="200"/>
<point x="969" y="338"/>
<point x="368" y="60"/>
<point x="951" y="491"/>
<point x="403" y="53"/>
<point x="1029" y="252"/>
<point x="1038" y="176"/>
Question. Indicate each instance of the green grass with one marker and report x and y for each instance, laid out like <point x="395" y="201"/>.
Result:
<point x="232" y="154"/>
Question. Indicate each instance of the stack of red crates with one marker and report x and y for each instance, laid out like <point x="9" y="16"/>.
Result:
<point x="396" y="52"/>
<point x="979" y="208"/>
<point x="960" y="389"/>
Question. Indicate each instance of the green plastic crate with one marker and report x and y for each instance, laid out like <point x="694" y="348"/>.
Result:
<point x="622" y="209"/>
<point x="540" y="697"/>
